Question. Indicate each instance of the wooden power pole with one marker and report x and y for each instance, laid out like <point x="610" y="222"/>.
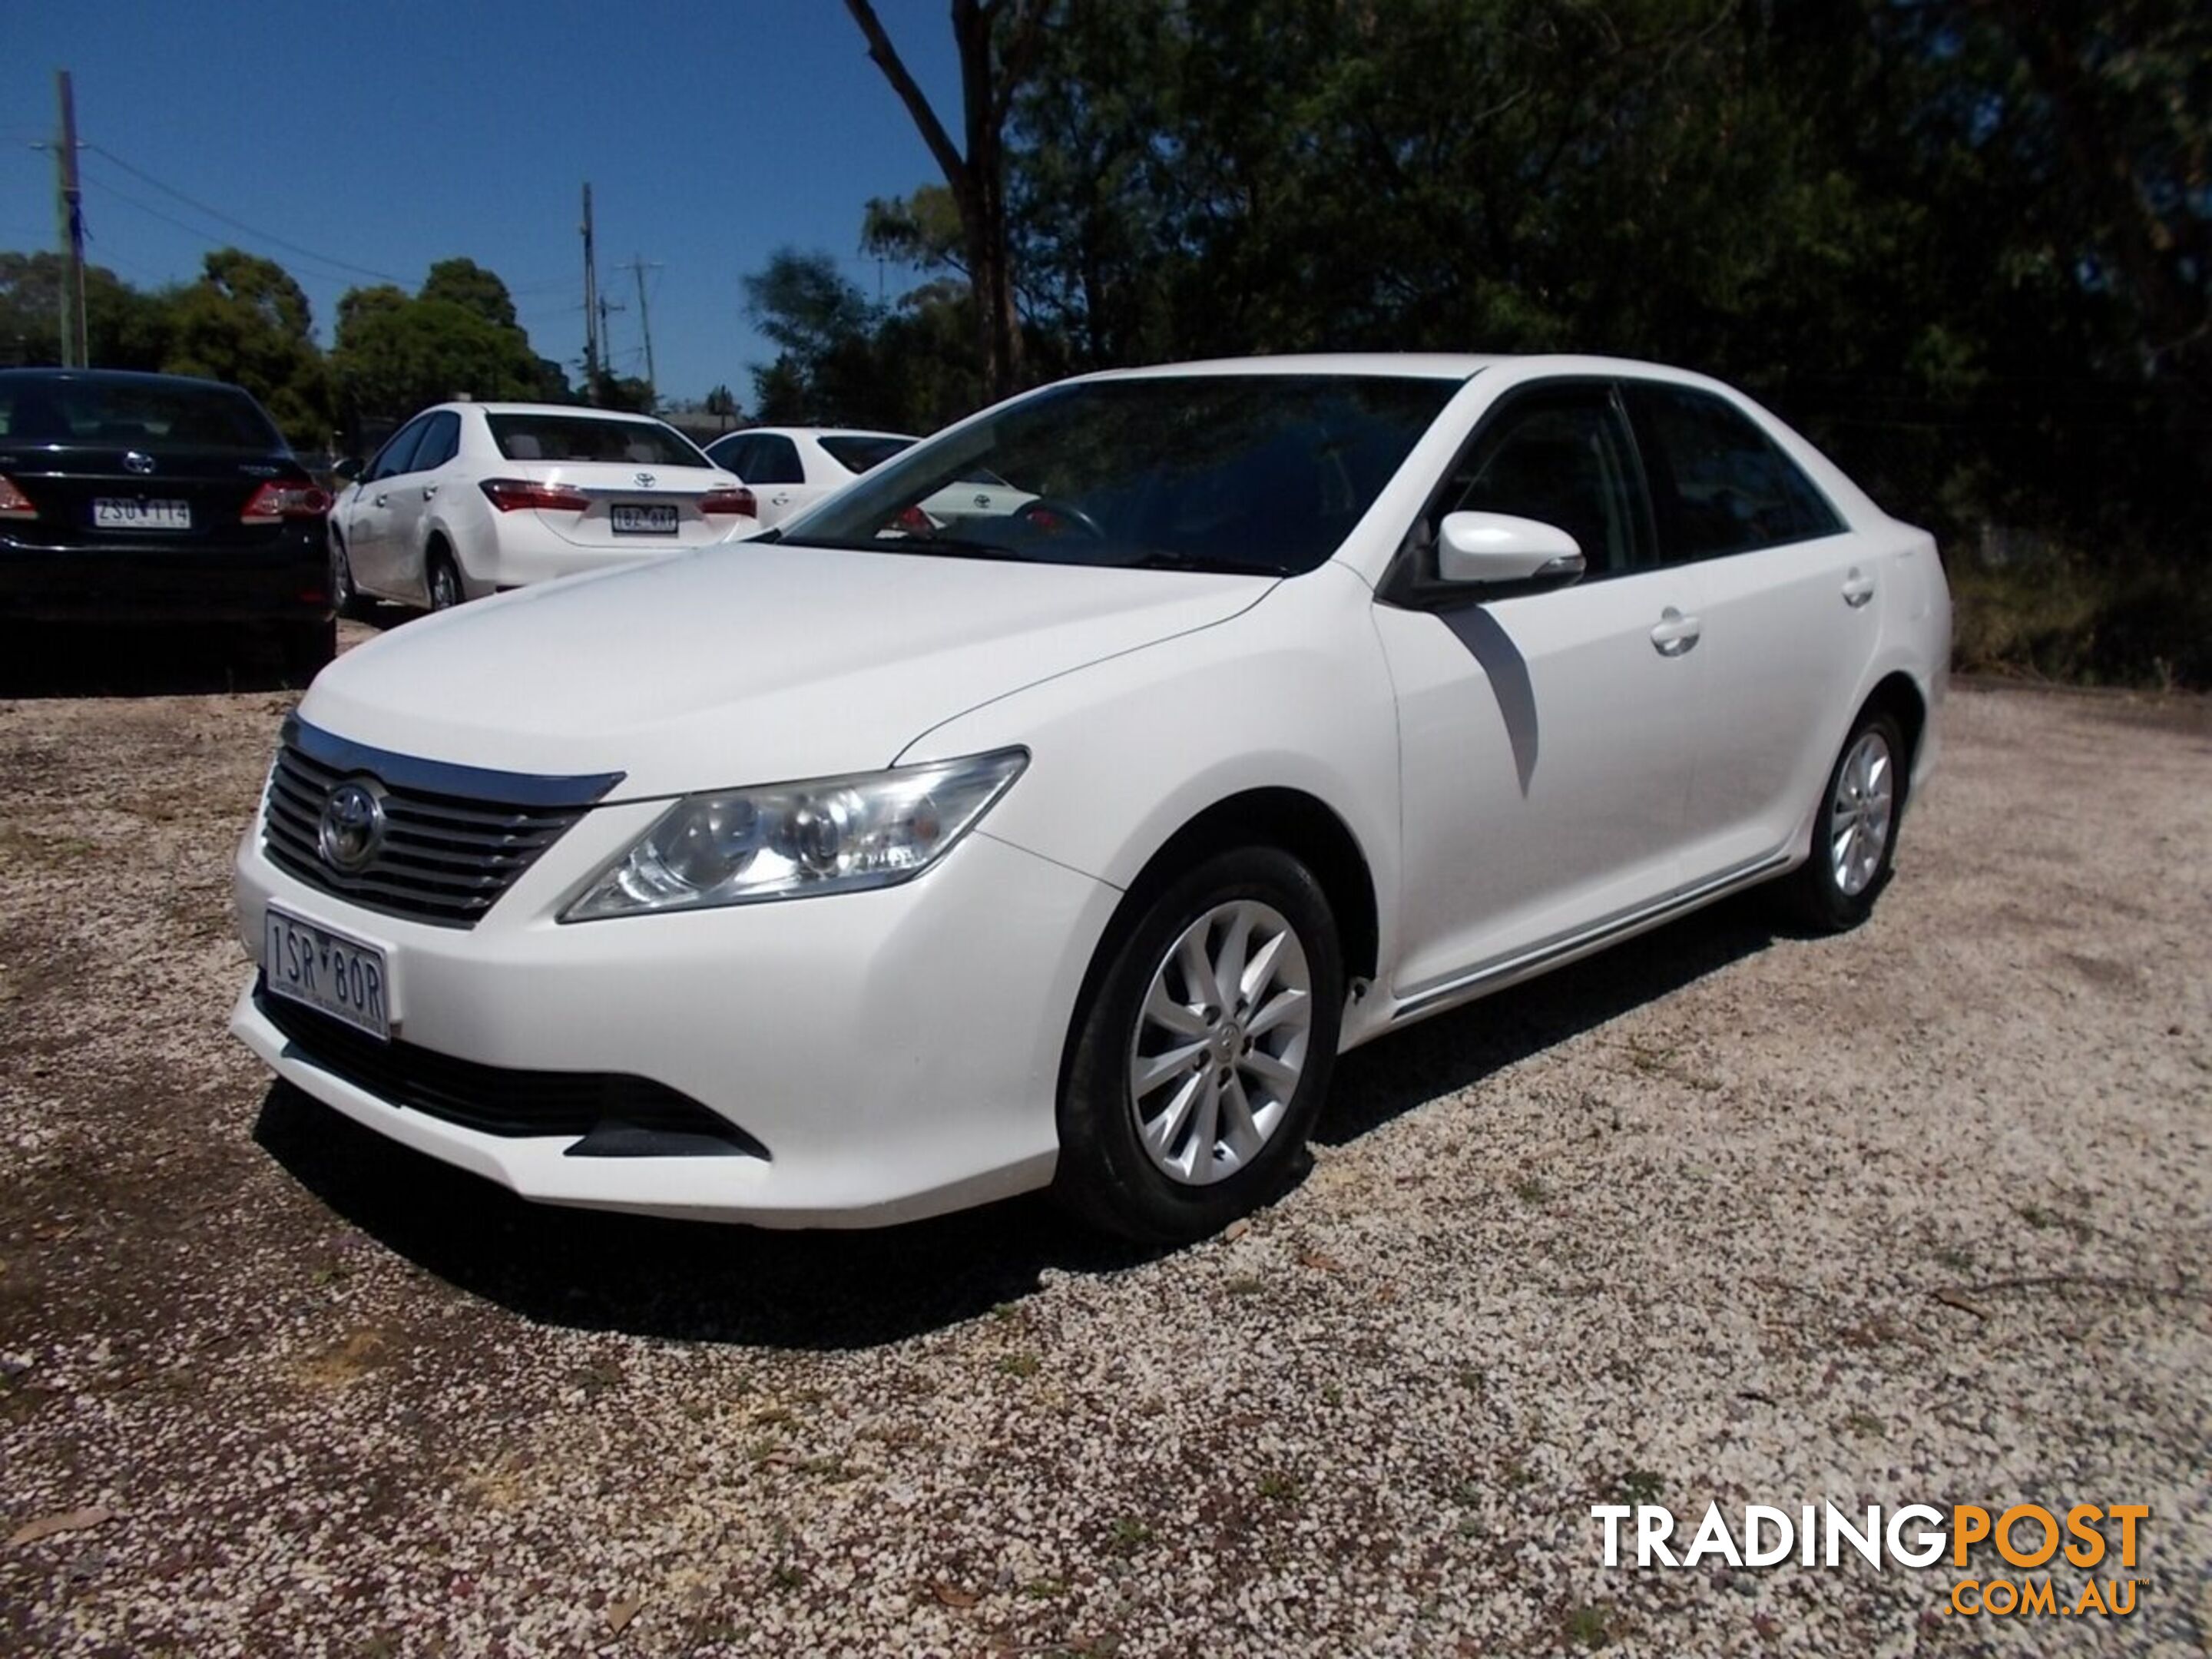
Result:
<point x="70" y="206"/>
<point x="591" y="308"/>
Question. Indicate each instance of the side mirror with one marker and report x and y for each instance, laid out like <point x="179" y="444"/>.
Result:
<point x="1496" y="547"/>
<point x="349" y="468"/>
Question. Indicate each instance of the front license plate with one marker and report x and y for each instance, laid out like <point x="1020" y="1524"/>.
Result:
<point x="644" y="520"/>
<point x="340" y="976"/>
<point x="115" y="513"/>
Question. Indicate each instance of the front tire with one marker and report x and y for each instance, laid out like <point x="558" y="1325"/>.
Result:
<point x="345" y="598"/>
<point x="1855" y="831"/>
<point x="1202" y="1057"/>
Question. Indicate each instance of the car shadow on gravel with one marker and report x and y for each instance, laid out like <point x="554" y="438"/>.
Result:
<point x="698" y="1281"/>
<point x="175" y="660"/>
<point x="689" y="1280"/>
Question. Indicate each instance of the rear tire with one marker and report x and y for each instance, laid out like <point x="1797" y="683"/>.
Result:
<point x="1855" y="831"/>
<point x="1204" y="1054"/>
<point x="442" y="577"/>
<point x="345" y="598"/>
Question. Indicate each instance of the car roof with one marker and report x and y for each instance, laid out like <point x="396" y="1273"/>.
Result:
<point x="1420" y="364"/>
<point x="120" y="377"/>
<point x="573" y="410"/>
<point x="818" y="432"/>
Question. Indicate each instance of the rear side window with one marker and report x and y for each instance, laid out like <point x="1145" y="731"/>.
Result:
<point x="730" y="453"/>
<point x="775" y="460"/>
<point x="136" y="414"/>
<point x="1719" y="485"/>
<point x="398" y="454"/>
<point x="442" y="441"/>
<point x="581" y="438"/>
<point x="858" y="454"/>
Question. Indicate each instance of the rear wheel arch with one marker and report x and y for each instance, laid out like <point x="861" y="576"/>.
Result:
<point x="1898" y="695"/>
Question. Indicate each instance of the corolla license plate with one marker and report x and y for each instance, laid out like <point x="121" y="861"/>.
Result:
<point x="327" y="971"/>
<point x="644" y="520"/>
<point x="115" y="513"/>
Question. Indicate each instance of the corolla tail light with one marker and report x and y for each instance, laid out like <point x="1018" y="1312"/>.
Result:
<point x="276" y="502"/>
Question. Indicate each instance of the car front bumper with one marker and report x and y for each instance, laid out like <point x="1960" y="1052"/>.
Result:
<point x="284" y="579"/>
<point x="896" y="1052"/>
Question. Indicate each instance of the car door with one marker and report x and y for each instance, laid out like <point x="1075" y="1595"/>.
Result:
<point x="411" y="494"/>
<point x="778" y="479"/>
<point x="1788" y="629"/>
<point x="369" y="513"/>
<point x="1544" y="736"/>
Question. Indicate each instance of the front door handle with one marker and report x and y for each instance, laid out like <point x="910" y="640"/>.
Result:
<point x="1857" y="589"/>
<point x="428" y="490"/>
<point x="782" y="498"/>
<point x="378" y="501"/>
<point x="1676" y="633"/>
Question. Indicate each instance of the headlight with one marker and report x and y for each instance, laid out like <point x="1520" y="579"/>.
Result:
<point x="791" y="840"/>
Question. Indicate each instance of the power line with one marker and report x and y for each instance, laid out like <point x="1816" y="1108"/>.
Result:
<point x="108" y="191"/>
<point x="240" y="224"/>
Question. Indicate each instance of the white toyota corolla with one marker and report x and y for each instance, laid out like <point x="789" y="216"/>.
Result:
<point x="854" y="873"/>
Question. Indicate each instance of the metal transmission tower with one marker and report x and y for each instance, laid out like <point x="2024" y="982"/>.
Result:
<point x="638" y="265"/>
<point x="590" y="307"/>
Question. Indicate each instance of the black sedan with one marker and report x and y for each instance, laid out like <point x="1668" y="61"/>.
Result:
<point x="154" y="498"/>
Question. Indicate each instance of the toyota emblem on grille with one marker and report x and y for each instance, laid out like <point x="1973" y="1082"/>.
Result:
<point x="645" y="481"/>
<point x="139" y="460"/>
<point x="352" y="829"/>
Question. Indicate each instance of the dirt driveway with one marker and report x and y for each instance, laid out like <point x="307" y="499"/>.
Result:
<point x="1922" y="1213"/>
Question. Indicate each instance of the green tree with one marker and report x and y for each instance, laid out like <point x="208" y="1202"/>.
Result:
<point x="246" y="321"/>
<point x="469" y="285"/>
<point x="123" y="328"/>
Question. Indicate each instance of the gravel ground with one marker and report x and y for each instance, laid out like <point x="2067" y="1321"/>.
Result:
<point x="1921" y="1213"/>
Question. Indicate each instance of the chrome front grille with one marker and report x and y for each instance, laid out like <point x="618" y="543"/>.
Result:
<point x="454" y="838"/>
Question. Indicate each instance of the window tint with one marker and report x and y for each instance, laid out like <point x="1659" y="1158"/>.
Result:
<point x="775" y="460"/>
<point x="856" y="454"/>
<point x="585" y="438"/>
<point x="398" y="454"/>
<point x="149" y="414"/>
<point x="442" y="441"/>
<point x="1561" y="457"/>
<point x="730" y="453"/>
<point x="1718" y="483"/>
<point x="1259" y="474"/>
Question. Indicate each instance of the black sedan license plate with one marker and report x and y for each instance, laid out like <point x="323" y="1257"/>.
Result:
<point x="336" y="976"/>
<point x="123" y="513"/>
<point x="644" y="520"/>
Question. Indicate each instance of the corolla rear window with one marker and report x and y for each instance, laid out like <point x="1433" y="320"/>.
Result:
<point x="858" y="454"/>
<point x="580" y="438"/>
<point x="1258" y="473"/>
<point x="136" y="414"/>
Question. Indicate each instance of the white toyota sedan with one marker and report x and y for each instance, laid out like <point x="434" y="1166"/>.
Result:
<point x="854" y="873"/>
<point x="467" y="499"/>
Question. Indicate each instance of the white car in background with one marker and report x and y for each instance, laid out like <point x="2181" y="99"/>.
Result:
<point x="467" y="499"/>
<point x="868" y="873"/>
<point x="790" y="468"/>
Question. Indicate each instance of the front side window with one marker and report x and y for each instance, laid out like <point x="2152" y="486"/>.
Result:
<point x="587" y="438"/>
<point x="1720" y="485"/>
<point x="1257" y="474"/>
<point x="1561" y="457"/>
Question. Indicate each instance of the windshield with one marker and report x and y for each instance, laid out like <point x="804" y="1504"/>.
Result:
<point x="1258" y="473"/>
<point x="144" y="414"/>
<point x="581" y="438"/>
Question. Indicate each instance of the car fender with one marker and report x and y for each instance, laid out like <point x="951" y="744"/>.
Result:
<point x="1292" y="694"/>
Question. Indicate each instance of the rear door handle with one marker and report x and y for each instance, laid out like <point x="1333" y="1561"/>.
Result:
<point x="1857" y="589"/>
<point x="428" y="490"/>
<point x="1676" y="633"/>
<point x="378" y="501"/>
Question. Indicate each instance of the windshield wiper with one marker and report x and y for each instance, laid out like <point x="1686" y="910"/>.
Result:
<point x="952" y="547"/>
<point x="1164" y="558"/>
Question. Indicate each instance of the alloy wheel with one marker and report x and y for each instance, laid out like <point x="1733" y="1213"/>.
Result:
<point x="1221" y="1042"/>
<point x="1861" y="814"/>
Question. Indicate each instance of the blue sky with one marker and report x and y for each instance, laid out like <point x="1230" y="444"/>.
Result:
<point x="387" y="137"/>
